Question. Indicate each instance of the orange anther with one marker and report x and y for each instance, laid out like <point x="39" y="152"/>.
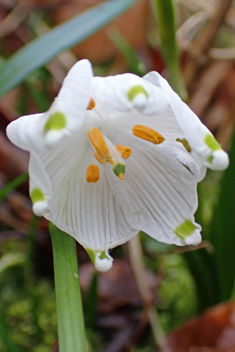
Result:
<point x="92" y="174"/>
<point x="125" y="152"/>
<point x="148" y="134"/>
<point x="99" y="158"/>
<point x="99" y="144"/>
<point x="91" y="104"/>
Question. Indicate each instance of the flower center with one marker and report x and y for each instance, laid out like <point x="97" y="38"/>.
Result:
<point x="106" y="152"/>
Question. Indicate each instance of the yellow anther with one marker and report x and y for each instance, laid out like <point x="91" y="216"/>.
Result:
<point x="92" y="174"/>
<point x="99" y="158"/>
<point x="148" y="134"/>
<point x="91" y="104"/>
<point x="123" y="151"/>
<point x="99" y="144"/>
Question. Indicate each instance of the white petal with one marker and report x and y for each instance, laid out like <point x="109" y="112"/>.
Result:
<point x="114" y="91"/>
<point x="189" y="123"/>
<point x="164" y="123"/>
<point x="32" y="133"/>
<point x="161" y="188"/>
<point x="192" y="161"/>
<point x="40" y="182"/>
<point x="27" y="133"/>
<point x="53" y="137"/>
<point x="74" y="96"/>
<point x="194" y="131"/>
<point x="80" y="208"/>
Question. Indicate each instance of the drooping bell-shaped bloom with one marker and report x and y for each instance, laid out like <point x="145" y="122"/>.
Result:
<point x="116" y="155"/>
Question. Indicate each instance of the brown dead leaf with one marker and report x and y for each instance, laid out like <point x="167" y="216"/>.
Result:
<point x="215" y="330"/>
<point x="211" y="349"/>
<point x="210" y="80"/>
<point x="13" y="160"/>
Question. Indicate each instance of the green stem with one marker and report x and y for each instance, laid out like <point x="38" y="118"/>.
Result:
<point x="71" y="330"/>
<point x="165" y="15"/>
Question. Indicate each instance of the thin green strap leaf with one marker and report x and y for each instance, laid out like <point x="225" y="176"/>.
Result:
<point x="64" y="36"/>
<point x="201" y="263"/>
<point x="6" y="339"/>
<point x="134" y="63"/>
<point x="91" y="303"/>
<point x="223" y="230"/>
<point x="11" y="186"/>
<point x="165" y="16"/>
<point x="202" y="267"/>
<point x="214" y="273"/>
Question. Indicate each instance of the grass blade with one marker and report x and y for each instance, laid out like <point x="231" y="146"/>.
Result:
<point x="11" y="186"/>
<point x="223" y="230"/>
<point x="165" y="15"/>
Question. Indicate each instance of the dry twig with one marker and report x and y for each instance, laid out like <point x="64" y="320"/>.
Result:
<point x="14" y="19"/>
<point x="135" y="253"/>
<point x="200" y="48"/>
<point x="208" y="84"/>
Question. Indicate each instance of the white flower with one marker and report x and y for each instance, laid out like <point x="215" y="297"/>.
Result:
<point x="116" y="155"/>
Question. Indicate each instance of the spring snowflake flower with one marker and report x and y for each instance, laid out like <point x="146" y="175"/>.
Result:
<point x="116" y="155"/>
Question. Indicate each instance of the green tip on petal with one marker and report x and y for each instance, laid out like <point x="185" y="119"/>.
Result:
<point x="40" y="203"/>
<point x="100" y="259"/>
<point x="56" y="121"/>
<point x="92" y="254"/>
<point x="185" y="229"/>
<point x="119" y="170"/>
<point x="209" y="159"/>
<point x="37" y="195"/>
<point x="211" y="142"/>
<point x="134" y="91"/>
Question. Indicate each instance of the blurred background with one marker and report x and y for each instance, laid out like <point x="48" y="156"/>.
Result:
<point x="185" y="301"/>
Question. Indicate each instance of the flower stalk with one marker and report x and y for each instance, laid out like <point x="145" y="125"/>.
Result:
<point x="71" y="331"/>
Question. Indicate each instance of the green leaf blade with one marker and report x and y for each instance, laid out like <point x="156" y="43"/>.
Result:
<point x="223" y="230"/>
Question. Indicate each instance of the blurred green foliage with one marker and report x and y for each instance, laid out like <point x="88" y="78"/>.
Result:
<point x="16" y="305"/>
<point x="178" y="301"/>
<point x="213" y="271"/>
